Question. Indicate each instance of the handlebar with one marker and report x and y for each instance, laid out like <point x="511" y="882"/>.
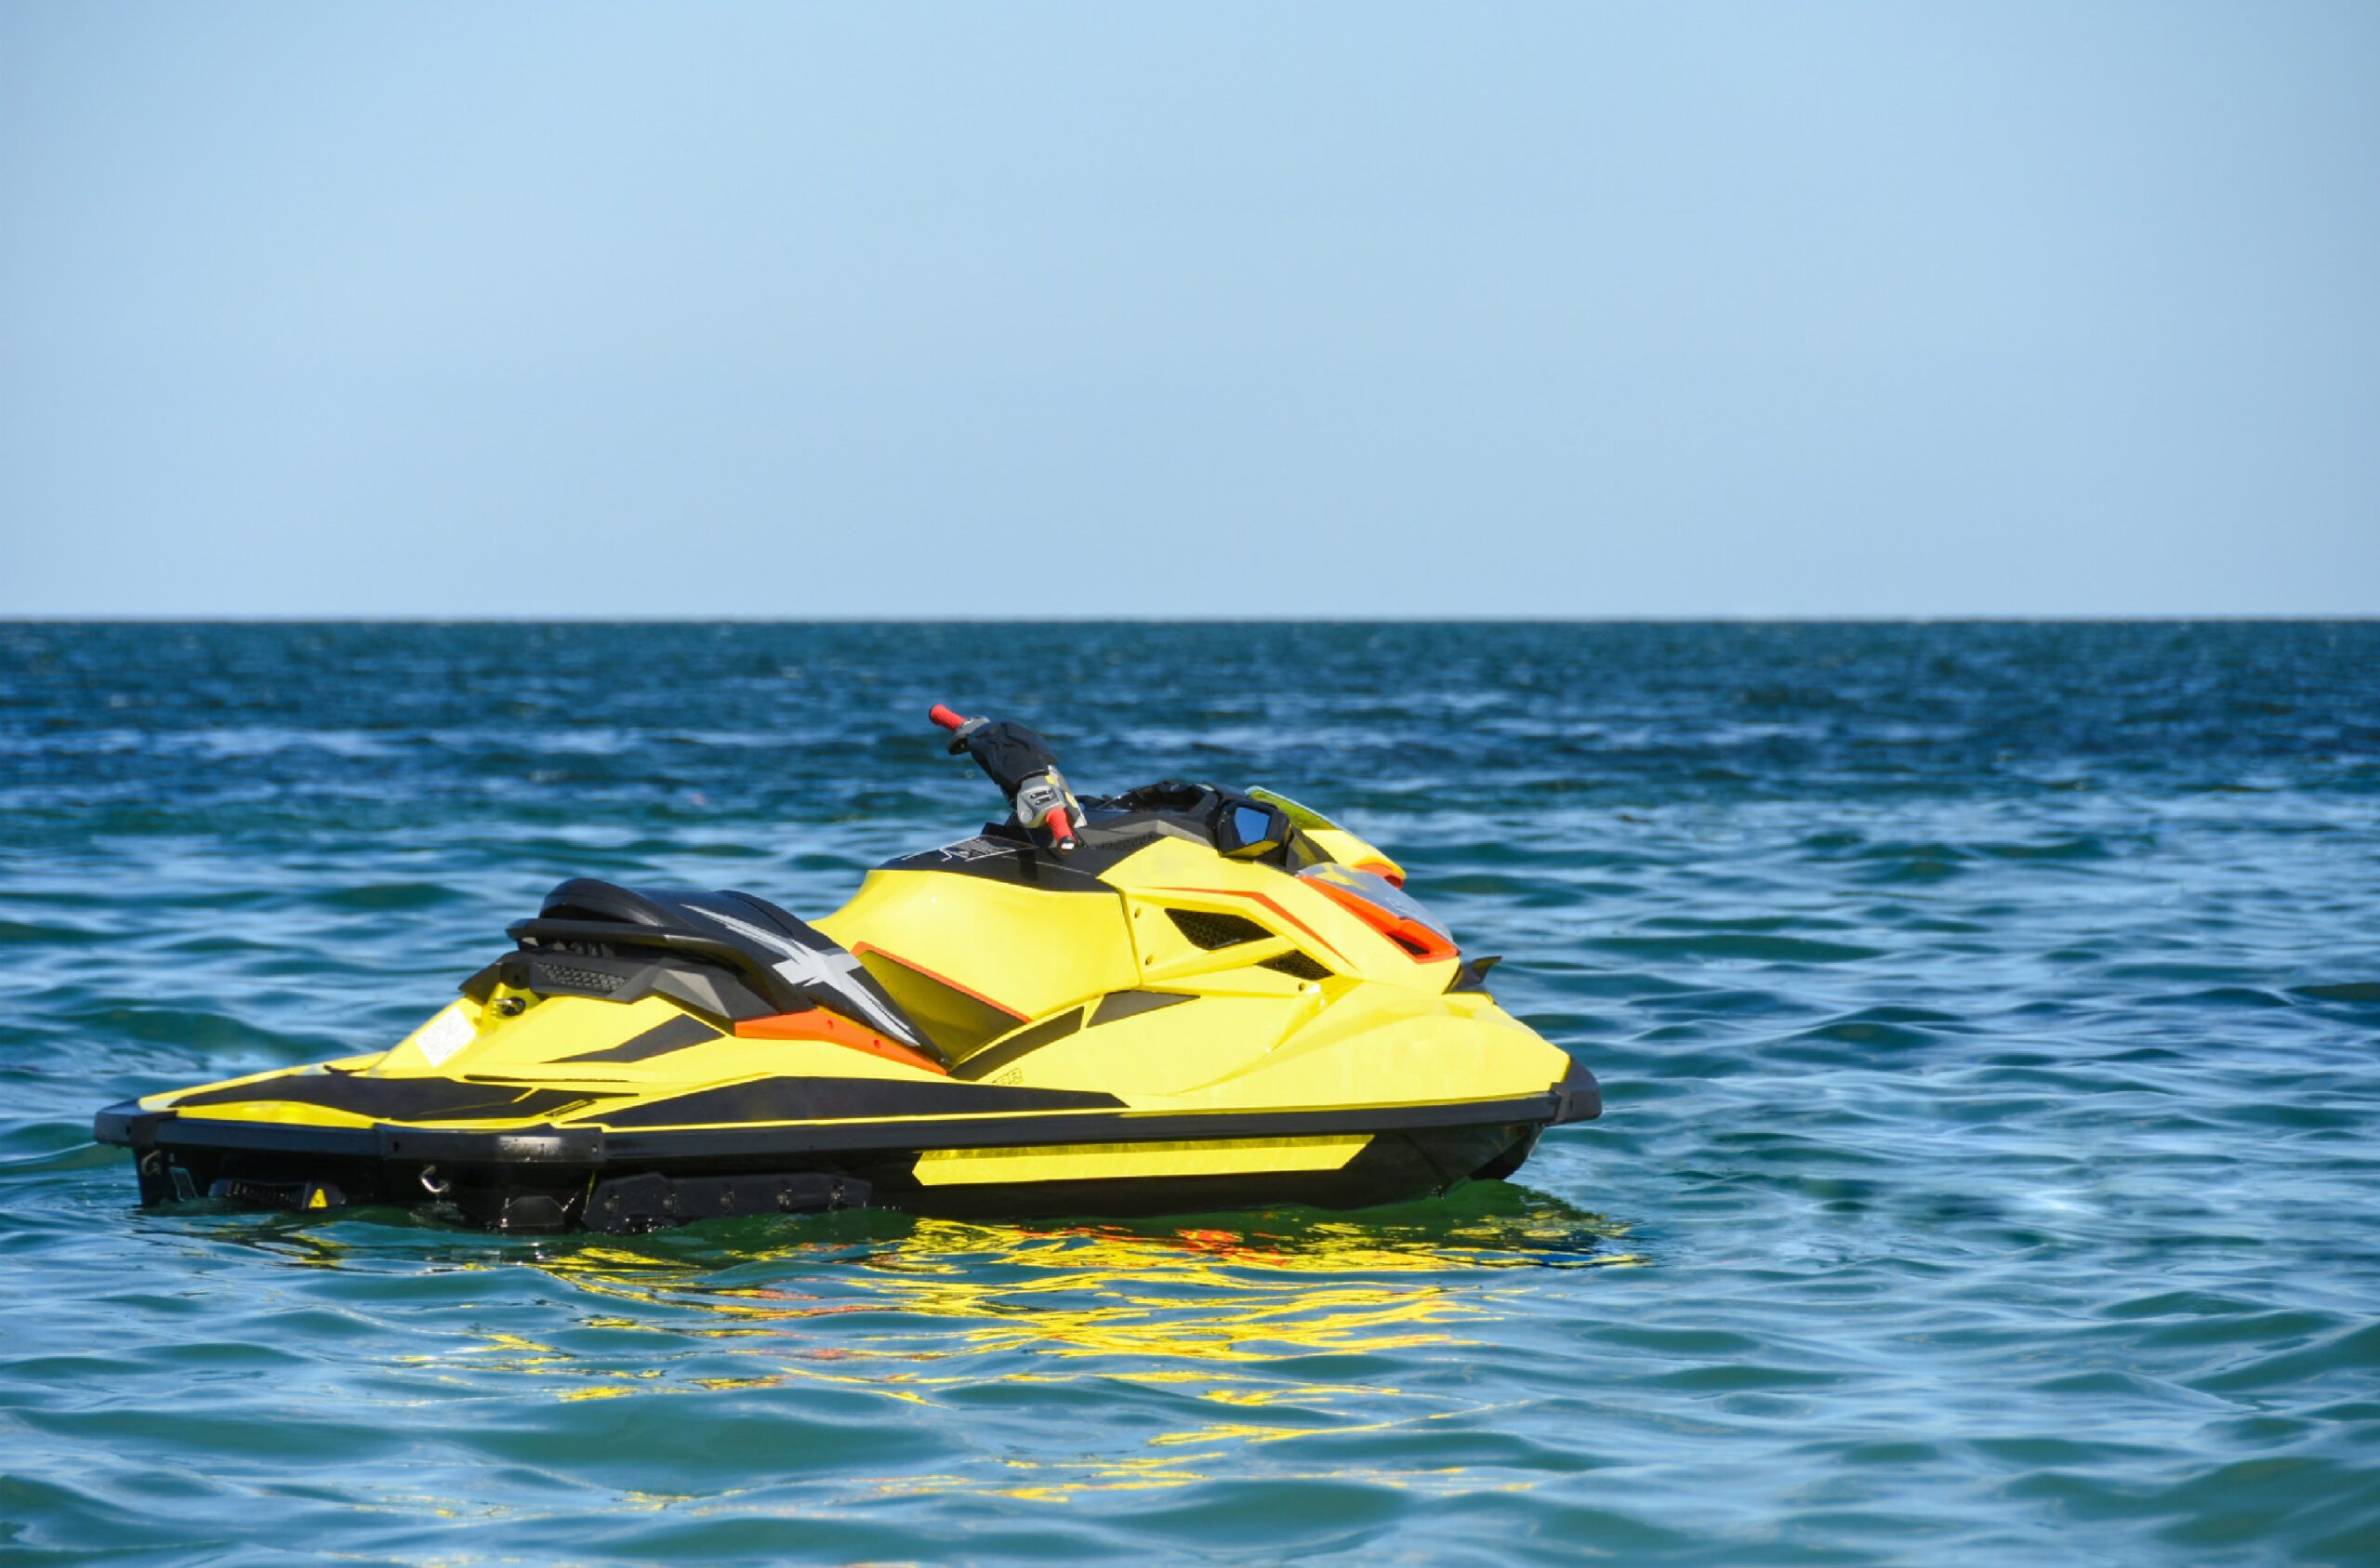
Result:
<point x="1019" y="762"/>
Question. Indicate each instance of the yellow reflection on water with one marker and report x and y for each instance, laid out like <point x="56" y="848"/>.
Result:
<point x="1154" y="1296"/>
<point x="942" y="1314"/>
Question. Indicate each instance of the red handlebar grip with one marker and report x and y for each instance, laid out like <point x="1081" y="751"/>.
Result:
<point x="943" y="716"/>
<point x="1061" y="831"/>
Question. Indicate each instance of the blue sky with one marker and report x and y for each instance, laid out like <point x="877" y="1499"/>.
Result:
<point x="792" y="311"/>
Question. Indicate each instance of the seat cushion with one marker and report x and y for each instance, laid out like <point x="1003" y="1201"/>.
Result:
<point x="792" y="948"/>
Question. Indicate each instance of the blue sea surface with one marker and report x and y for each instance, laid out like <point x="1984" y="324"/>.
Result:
<point x="1989" y="1017"/>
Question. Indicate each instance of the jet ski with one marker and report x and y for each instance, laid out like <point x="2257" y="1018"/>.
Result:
<point x="1182" y="998"/>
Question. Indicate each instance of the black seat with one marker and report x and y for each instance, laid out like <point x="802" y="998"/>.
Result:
<point x="802" y="958"/>
<point x="683" y="909"/>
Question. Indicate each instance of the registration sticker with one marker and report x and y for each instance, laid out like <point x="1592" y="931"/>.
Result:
<point x="444" y="1035"/>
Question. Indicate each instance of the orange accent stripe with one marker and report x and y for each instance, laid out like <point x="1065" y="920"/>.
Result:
<point x="820" y="1024"/>
<point x="1267" y="902"/>
<point x="1411" y="938"/>
<point x="1383" y="870"/>
<point x="860" y="947"/>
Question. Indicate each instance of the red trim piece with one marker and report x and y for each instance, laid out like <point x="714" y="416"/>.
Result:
<point x="1383" y="870"/>
<point x="945" y="717"/>
<point x="1413" y="939"/>
<point x="1260" y="897"/>
<point x="860" y="947"/>
<point x="820" y="1024"/>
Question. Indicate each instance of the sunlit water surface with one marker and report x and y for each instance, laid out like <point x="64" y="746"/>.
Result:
<point x="1989" y="1017"/>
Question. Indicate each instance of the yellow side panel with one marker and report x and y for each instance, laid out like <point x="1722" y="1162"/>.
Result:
<point x="1170" y="874"/>
<point x="1388" y="1048"/>
<point x="1165" y="1051"/>
<point x="537" y="1045"/>
<point x="1030" y="952"/>
<point x="464" y="1037"/>
<point x="731" y="1059"/>
<point x="1097" y="1162"/>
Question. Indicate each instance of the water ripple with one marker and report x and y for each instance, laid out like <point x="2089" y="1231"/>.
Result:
<point x="1987" y="1015"/>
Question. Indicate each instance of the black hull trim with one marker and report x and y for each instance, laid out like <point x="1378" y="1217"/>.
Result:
<point x="1395" y="1167"/>
<point x="545" y="1179"/>
<point x="1576" y="1099"/>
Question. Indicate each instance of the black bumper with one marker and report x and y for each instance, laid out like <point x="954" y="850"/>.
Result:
<point x="1577" y="1098"/>
<point x="543" y="1178"/>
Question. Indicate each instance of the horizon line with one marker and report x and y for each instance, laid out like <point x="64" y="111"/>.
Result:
<point x="2162" y="618"/>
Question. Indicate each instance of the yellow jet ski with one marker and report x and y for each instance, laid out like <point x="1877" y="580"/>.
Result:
<point x="1179" y="998"/>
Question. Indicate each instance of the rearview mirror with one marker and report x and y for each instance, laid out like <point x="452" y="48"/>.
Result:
<point x="1250" y="829"/>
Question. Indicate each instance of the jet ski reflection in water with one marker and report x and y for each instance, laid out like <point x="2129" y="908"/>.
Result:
<point x="1179" y="998"/>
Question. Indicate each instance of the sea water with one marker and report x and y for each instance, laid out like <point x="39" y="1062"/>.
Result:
<point x="1989" y="1017"/>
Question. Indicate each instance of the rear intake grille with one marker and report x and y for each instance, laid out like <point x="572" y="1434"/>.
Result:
<point x="1296" y="964"/>
<point x="1211" y="931"/>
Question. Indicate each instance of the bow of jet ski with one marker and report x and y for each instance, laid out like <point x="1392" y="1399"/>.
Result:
<point x="1180" y="998"/>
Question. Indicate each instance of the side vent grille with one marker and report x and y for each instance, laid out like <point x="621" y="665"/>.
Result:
<point x="1296" y="964"/>
<point x="548" y="976"/>
<point x="1211" y="931"/>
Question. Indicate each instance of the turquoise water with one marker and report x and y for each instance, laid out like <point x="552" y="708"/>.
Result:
<point x="1989" y="1017"/>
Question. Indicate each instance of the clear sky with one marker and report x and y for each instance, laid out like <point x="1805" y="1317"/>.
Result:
<point x="1583" y="309"/>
